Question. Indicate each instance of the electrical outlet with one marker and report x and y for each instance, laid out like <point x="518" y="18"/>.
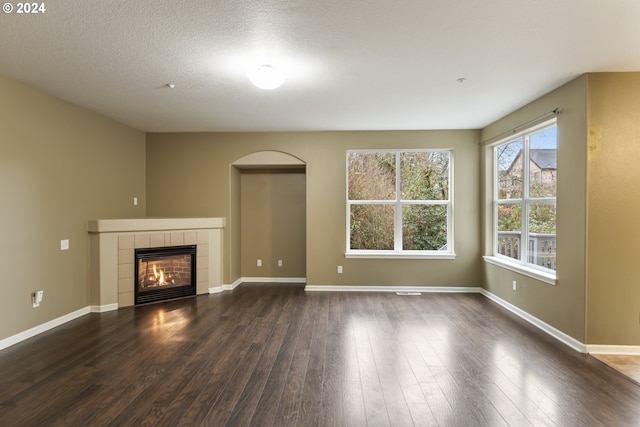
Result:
<point x="259" y="263"/>
<point x="515" y="286"/>
<point x="36" y="298"/>
<point x="339" y="269"/>
<point x="64" y="245"/>
<point x="135" y="201"/>
<point x="279" y="263"/>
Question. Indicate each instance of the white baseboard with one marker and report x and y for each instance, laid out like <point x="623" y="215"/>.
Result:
<point x="232" y="286"/>
<point x="223" y="287"/>
<point x="24" y="335"/>
<point x="557" y="334"/>
<point x="627" y="350"/>
<point x="273" y="279"/>
<point x="423" y="289"/>
<point x="102" y="308"/>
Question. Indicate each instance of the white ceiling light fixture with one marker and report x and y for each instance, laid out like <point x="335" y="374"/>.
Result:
<point x="267" y="77"/>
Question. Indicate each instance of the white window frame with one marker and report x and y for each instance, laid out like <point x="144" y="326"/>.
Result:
<point x="521" y="265"/>
<point x="398" y="252"/>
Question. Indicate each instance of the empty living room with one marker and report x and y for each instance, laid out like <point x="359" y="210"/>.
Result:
<point x="319" y="213"/>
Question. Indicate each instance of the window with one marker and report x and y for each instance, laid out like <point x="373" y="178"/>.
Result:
<point x="399" y="203"/>
<point x="525" y="198"/>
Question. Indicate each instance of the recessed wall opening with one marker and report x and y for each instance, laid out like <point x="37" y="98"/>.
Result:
<point x="268" y="196"/>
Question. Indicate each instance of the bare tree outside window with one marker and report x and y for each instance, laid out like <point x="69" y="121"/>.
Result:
<point x="525" y="200"/>
<point x="399" y="200"/>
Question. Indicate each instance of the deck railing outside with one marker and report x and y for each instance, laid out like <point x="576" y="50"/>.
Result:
<point x="542" y="247"/>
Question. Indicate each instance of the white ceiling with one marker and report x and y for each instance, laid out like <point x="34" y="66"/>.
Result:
<point x="352" y="64"/>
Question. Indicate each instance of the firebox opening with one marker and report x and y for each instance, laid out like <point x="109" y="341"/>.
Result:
<point x="164" y="273"/>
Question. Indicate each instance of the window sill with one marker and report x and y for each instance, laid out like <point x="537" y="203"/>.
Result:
<point x="543" y="276"/>
<point x="396" y="255"/>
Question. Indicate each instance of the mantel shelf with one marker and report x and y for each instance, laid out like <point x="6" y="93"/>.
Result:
<point x="153" y="224"/>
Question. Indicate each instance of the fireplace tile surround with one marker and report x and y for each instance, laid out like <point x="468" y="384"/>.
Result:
<point x="112" y="246"/>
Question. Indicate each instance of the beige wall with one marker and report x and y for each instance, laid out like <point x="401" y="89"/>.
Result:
<point x="273" y="223"/>
<point x="562" y="306"/>
<point x="613" y="267"/>
<point x="202" y="188"/>
<point x="60" y="165"/>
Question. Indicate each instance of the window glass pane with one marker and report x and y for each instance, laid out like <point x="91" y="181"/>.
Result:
<point x="424" y="228"/>
<point x="372" y="227"/>
<point x="509" y="170"/>
<point x="372" y="176"/>
<point x="509" y="230"/>
<point x="542" y="163"/>
<point x="536" y="191"/>
<point x="542" y="235"/>
<point x="424" y="175"/>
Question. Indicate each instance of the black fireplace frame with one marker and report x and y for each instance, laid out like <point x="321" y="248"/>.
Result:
<point x="161" y="293"/>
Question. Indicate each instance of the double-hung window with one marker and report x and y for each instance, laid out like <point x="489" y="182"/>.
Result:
<point x="524" y="202"/>
<point x="399" y="203"/>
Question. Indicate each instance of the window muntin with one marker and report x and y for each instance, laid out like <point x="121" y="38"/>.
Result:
<point x="525" y="171"/>
<point x="399" y="202"/>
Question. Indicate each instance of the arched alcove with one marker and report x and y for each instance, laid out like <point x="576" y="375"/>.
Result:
<point x="269" y="160"/>
<point x="268" y="217"/>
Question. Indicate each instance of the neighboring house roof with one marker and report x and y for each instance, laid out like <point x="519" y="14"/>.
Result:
<point x="545" y="158"/>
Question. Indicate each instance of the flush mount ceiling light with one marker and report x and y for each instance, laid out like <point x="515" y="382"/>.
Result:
<point x="266" y="77"/>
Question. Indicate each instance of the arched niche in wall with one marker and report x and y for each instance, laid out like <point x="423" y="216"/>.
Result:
<point x="254" y="179"/>
<point x="269" y="160"/>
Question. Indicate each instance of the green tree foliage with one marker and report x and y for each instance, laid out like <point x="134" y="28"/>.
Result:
<point x="509" y="217"/>
<point x="542" y="218"/>
<point x="424" y="176"/>
<point x="424" y="227"/>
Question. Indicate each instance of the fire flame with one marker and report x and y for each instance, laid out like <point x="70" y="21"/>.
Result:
<point x="158" y="275"/>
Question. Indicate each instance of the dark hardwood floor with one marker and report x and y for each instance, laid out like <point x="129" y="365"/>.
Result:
<point x="273" y="355"/>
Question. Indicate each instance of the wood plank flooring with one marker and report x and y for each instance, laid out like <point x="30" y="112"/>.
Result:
<point x="273" y="355"/>
<point x="628" y="365"/>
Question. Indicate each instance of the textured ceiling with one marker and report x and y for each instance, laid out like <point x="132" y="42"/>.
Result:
<point x="352" y="65"/>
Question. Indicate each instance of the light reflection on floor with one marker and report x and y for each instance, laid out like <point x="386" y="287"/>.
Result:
<point x="369" y="356"/>
<point x="523" y="381"/>
<point x="167" y="324"/>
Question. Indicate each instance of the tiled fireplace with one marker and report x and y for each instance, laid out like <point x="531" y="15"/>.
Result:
<point x="114" y="244"/>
